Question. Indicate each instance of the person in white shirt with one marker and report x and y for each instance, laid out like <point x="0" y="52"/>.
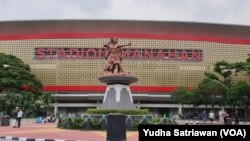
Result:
<point x="211" y="116"/>
<point x="19" y="117"/>
<point x="221" y="116"/>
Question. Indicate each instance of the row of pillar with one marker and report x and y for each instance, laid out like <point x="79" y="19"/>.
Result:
<point x="56" y="108"/>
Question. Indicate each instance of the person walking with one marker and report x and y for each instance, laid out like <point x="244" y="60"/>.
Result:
<point x="14" y="122"/>
<point x="211" y="116"/>
<point x="236" y="118"/>
<point x="19" y="117"/>
<point x="226" y="117"/>
<point x="204" y="116"/>
<point x="221" y="116"/>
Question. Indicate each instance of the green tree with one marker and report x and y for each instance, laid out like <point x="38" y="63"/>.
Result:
<point x="239" y="95"/>
<point x="189" y="98"/>
<point x="183" y="96"/>
<point x="224" y="69"/>
<point x="27" y="102"/>
<point x="192" y="97"/>
<point x="43" y="102"/>
<point x="242" y="67"/>
<point x="178" y="95"/>
<point x="10" y="101"/>
<point x="18" y="86"/>
<point x="212" y="91"/>
<point x="227" y="88"/>
<point x="16" y="76"/>
<point x="219" y="82"/>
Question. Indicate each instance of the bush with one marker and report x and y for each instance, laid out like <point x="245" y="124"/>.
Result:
<point x="99" y="122"/>
<point x="122" y="111"/>
<point x="155" y="120"/>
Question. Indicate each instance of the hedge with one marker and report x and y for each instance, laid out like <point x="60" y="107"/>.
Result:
<point x="121" y="111"/>
<point x="99" y="122"/>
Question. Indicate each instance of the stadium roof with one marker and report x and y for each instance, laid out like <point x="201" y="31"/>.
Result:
<point x="124" y="29"/>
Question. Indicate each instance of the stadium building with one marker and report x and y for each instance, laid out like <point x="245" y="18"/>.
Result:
<point x="68" y="57"/>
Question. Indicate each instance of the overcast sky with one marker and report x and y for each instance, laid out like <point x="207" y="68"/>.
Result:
<point x="208" y="11"/>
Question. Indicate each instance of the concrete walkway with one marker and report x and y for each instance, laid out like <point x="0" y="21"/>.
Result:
<point x="30" y="129"/>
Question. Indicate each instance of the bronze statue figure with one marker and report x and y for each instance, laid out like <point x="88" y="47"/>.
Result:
<point x="114" y="57"/>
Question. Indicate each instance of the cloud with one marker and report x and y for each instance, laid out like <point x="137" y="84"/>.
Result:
<point x="51" y="9"/>
<point x="211" y="11"/>
<point x="149" y="10"/>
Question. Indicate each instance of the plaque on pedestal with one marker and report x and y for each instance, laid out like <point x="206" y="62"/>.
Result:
<point x="118" y="93"/>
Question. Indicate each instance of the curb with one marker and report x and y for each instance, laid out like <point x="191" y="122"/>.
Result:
<point x="32" y="139"/>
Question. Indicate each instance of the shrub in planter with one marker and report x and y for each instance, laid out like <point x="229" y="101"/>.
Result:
<point x="166" y="121"/>
<point x="78" y="123"/>
<point x="96" y="124"/>
<point x="155" y="120"/>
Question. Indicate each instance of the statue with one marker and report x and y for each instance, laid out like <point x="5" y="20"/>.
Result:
<point x="114" y="57"/>
<point x="118" y="93"/>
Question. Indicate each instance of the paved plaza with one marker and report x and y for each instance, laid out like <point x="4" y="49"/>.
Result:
<point x="50" y="131"/>
<point x="30" y="129"/>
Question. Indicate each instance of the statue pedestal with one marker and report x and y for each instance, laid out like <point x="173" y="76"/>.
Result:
<point x="118" y="93"/>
